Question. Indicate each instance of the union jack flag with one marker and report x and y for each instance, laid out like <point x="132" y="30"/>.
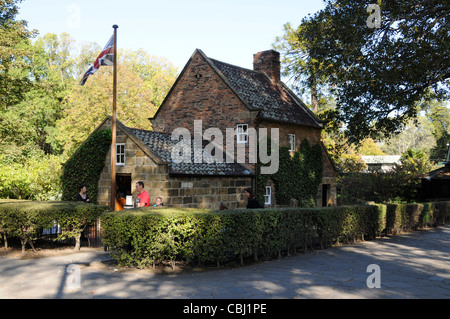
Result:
<point x="105" y="58"/>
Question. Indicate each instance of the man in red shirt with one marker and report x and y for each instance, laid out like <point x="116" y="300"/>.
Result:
<point x="143" y="199"/>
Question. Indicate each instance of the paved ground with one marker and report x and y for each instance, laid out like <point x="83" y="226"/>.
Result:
<point x="414" y="265"/>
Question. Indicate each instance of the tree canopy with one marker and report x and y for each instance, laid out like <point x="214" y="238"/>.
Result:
<point x="45" y="115"/>
<point x="378" y="72"/>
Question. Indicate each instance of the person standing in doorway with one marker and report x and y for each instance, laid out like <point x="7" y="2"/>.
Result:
<point x="143" y="199"/>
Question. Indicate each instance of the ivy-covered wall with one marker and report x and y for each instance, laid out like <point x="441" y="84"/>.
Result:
<point x="86" y="165"/>
<point x="299" y="176"/>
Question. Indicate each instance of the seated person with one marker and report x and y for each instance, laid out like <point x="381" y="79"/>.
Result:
<point x="159" y="202"/>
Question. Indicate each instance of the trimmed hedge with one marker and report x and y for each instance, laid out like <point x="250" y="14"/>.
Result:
<point x="25" y="219"/>
<point x="145" y="237"/>
<point x="409" y="217"/>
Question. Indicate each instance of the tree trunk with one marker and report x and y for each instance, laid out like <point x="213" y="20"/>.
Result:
<point x="23" y="242"/>
<point x="314" y="98"/>
<point x="78" y="242"/>
<point x="6" y="241"/>
<point x="32" y="245"/>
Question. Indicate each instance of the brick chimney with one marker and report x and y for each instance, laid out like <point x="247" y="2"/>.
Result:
<point x="269" y="63"/>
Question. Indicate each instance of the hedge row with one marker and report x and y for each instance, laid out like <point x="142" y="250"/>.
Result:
<point x="25" y="219"/>
<point x="146" y="237"/>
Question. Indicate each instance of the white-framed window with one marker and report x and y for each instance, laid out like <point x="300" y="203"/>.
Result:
<point x="242" y="133"/>
<point x="268" y="195"/>
<point x="292" y="143"/>
<point x="120" y="154"/>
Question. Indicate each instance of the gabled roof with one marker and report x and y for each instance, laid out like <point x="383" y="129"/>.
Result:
<point x="161" y="144"/>
<point x="158" y="146"/>
<point x="274" y="101"/>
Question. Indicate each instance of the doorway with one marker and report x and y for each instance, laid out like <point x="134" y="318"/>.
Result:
<point x="123" y="188"/>
<point x="325" y="194"/>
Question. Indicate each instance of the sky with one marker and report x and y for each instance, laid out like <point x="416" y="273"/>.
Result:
<point x="227" y="30"/>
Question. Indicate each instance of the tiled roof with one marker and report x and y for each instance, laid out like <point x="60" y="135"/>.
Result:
<point x="161" y="145"/>
<point x="275" y="101"/>
<point x="442" y="173"/>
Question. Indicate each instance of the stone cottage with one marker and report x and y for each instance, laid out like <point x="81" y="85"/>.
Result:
<point x="146" y="156"/>
<point x="224" y="97"/>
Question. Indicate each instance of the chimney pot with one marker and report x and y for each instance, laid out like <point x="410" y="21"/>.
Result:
<point x="269" y="63"/>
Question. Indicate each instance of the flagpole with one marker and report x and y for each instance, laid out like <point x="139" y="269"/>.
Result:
<point x="113" y="125"/>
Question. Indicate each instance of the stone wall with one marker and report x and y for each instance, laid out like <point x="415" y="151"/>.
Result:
<point x="206" y="192"/>
<point x="179" y="191"/>
<point x="137" y="165"/>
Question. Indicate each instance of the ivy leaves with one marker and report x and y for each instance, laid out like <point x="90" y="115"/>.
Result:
<point x="86" y="165"/>
<point x="299" y="176"/>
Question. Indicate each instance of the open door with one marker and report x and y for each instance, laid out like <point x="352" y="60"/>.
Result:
<point x="123" y="188"/>
<point x="325" y="194"/>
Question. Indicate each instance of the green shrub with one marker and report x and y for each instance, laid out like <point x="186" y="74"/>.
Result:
<point x="409" y="217"/>
<point x="21" y="220"/>
<point x="148" y="236"/>
<point x="74" y="217"/>
<point x="25" y="219"/>
<point x="145" y="237"/>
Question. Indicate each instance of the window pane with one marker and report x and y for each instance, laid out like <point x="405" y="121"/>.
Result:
<point x="241" y="133"/>
<point x="292" y="142"/>
<point x="120" y="154"/>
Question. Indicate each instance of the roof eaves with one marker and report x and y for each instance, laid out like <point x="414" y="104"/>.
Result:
<point x="212" y="175"/>
<point x="302" y="105"/>
<point x="261" y="118"/>
<point x="147" y="150"/>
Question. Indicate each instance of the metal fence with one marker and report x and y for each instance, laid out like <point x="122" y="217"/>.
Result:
<point x="91" y="236"/>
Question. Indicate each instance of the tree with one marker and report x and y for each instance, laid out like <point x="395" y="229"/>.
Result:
<point x="14" y="51"/>
<point x="157" y="72"/>
<point x="142" y="81"/>
<point x="438" y="114"/>
<point x="300" y="48"/>
<point x="417" y="134"/>
<point x="413" y="164"/>
<point x="379" y="74"/>
<point x="51" y="115"/>
<point x="50" y="73"/>
<point x="370" y="147"/>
